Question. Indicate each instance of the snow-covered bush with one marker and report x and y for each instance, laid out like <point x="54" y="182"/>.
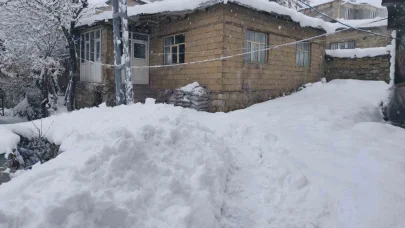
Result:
<point x="31" y="106"/>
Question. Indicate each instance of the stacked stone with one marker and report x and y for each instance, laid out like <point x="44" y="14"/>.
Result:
<point x="198" y="98"/>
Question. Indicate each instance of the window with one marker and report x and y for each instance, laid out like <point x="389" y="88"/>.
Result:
<point x="90" y="46"/>
<point x="343" y="45"/>
<point x="139" y="51"/>
<point x="373" y="14"/>
<point x="303" y="54"/>
<point x="256" y="43"/>
<point x="90" y="56"/>
<point x="348" y="13"/>
<point x="174" y="49"/>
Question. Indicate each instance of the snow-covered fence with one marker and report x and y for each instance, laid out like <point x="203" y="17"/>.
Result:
<point x="191" y="96"/>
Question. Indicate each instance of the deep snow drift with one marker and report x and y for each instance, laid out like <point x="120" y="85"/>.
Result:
<point x="318" y="158"/>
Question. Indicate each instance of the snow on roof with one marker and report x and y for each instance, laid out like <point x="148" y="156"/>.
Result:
<point x="359" y="52"/>
<point x="364" y="23"/>
<point x="182" y="5"/>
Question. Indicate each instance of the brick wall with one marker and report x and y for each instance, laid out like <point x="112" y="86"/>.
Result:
<point x="362" y="40"/>
<point x="371" y="68"/>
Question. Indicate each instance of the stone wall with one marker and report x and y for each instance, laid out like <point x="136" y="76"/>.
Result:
<point x="229" y="101"/>
<point x="203" y="32"/>
<point x="88" y="94"/>
<point x="331" y="9"/>
<point x="220" y="31"/>
<point x="370" y="68"/>
<point x="245" y="83"/>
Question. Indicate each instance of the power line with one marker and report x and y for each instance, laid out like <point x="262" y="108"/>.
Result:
<point x="362" y="30"/>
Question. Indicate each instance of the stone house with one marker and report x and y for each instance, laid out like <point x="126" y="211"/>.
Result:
<point x="171" y="44"/>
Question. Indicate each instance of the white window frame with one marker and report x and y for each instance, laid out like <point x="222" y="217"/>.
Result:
<point x="131" y="39"/>
<point x="90" y="55"/>
<point x="303" y="56"/>
<point x="256" y="45"/>
<point x="343" y="45"/>
<point x="84" y="49"/>
<point x="168" y="49"/>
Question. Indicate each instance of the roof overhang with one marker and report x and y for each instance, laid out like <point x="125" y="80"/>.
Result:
<point x="176" y="7"/>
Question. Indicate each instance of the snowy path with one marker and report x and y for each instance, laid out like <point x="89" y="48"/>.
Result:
<point x="320" y="158"/>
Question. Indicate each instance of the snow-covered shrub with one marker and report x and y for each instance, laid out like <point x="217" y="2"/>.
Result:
<point x="31" y="106"/>
<point x="32" y="151"/>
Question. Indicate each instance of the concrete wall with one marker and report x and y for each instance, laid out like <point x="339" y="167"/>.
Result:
<point x="371" y="68"/>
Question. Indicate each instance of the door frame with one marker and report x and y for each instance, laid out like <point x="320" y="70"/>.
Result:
<point x="140" y="41"/>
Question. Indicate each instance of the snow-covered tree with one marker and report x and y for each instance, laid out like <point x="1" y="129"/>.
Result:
<point x="37" y="34"/>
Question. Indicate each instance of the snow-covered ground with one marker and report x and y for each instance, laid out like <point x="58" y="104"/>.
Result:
<point x="320" y="158"/>
<point x="8" y="117"/>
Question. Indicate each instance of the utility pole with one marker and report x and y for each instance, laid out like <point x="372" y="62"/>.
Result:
<point x="126" y="56"/>
<point x="122" y="60"/>
<point x="117" y="53"/>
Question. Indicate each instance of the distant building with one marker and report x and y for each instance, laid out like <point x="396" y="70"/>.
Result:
<point x="349" y="10"/>
<point x="340" y="64"/>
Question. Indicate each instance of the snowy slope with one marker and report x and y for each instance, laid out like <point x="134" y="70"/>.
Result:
<point x="320" y="158"/>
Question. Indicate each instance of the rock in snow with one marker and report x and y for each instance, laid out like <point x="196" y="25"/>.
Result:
<point x="321" y="157"/>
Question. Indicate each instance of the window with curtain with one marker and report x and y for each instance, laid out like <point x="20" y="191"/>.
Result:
<point x="343" y="45"/>
<point x="303" y="58"/>
<point x="255" y="43"/>
<point x="174" y="49"/>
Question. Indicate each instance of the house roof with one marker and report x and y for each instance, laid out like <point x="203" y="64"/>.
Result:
<point x="173" y="6"/>
<point x="363" y="23"/>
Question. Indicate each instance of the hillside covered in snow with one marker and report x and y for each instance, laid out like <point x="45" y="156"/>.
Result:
<point x="320" y="158"/>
